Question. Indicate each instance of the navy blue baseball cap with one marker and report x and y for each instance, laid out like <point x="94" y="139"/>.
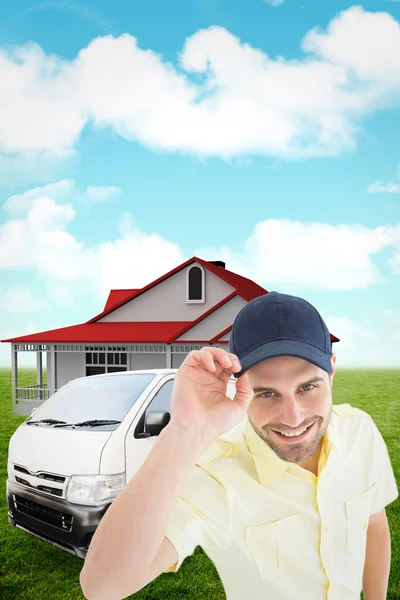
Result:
<point x="280" y="325"/>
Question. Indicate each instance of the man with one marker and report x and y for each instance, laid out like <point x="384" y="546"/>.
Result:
<point x="285" y="492"/>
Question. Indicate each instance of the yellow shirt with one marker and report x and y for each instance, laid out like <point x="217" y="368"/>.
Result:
<point x="273" y="529"/>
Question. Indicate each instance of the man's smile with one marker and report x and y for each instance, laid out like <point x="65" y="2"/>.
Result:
<point x="295" y="436"/>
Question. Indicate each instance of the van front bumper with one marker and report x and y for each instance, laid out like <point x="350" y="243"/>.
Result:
<point x="53" y="520"/>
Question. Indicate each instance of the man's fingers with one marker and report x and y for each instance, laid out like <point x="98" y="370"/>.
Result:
<point x="225" y="359"/>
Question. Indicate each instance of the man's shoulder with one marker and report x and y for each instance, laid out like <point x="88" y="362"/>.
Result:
<point x="347" y="410"/>
<point x="351" y="421"/>
<point x="227" y="445"/>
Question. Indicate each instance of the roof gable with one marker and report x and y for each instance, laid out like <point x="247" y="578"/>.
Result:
<point x="244" y="287"/>
<point x="117" y="296"/>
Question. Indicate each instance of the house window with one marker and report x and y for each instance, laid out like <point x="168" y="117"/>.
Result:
<point x="98" y="363"/>
<point x="195" y="285"/>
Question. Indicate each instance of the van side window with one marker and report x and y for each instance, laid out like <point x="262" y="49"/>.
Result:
<point x="162" y="401"/>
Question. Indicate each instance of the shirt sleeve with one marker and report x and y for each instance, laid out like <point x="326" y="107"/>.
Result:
<point x="386" y="487"/>
<point x="201" y="517"/>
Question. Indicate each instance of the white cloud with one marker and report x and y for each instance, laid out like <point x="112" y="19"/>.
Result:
<point x="100" y="193"/>
<point x="59" y="191"/>
<point x="41" y="242"/>
<point x="274" y="2"/>
<point x="278" y="252"/>
<point x="244" y="102"/>
<point x="364" y="344"/>
<point x="316" y="256"/>
<point x="394" y="261"/>
<point x="21" y="203"/>
<point x="18" y="299"/>
<point x="379" y="187"/>
<point x="38" y="242"/>
<point x="393" y="316"/>
<point x="34" y="166"/>
<point x="390" y="187"/>
<point x="35" y="91"/>
<point x="365" y="42"/>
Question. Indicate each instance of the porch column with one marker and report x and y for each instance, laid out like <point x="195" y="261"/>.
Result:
<point x="14" y="375"/>
<point x="39" y="371"/>
<point x="52" y="382"/>
<point x="169" y="357"/>
<point x="39" y="375"/>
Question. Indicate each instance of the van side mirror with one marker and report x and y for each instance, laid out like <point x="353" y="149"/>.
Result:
<point x="155" y="421"/>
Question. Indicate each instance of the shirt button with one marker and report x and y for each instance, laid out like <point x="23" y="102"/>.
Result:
<point x="227" y="449"/>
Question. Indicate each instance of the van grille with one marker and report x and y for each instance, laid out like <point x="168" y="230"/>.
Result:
<point x="43" y="513"/>
<point x="47" y="476"/>
<point x="41" y="488"/>
<point x="35" y="485"/>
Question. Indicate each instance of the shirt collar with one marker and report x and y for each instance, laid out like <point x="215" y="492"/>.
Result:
<point x="269" y="466"/>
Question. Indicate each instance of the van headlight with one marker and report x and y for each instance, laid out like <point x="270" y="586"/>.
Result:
<point x="94" y="489"/>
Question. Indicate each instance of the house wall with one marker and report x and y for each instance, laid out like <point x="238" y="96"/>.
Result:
<point x="167" y="301"/>
<point x="216" y="322"/>
<point x="147" y="360"/>
<point x="177" y="360"/>
<point x="225" y="338"/>
<point x="70" y="365"/>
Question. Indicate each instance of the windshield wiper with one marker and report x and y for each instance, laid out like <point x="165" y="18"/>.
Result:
<point x="92" y="423"/>
<point x="51" y="421"/>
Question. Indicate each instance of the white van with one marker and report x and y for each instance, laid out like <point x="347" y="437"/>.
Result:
<point x="68" y="461"/>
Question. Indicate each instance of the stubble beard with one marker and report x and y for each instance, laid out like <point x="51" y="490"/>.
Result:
<point x="293" y="452"/>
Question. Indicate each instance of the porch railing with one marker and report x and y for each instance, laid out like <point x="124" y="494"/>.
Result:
<point x="32" y="392"/>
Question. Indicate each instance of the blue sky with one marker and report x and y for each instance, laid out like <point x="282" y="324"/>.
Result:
<point x="134" y="135"/>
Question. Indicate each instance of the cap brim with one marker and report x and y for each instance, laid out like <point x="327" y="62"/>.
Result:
<point x="285" y="348"/>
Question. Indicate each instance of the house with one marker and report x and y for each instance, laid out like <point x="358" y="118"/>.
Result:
<point x="192" y="306"/>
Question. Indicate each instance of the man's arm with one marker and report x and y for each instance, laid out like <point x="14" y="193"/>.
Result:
<point x="122" y="553"/>
<point x="377" y="559"/>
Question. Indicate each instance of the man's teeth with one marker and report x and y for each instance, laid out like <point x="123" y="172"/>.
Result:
<point x="294" y="434"/>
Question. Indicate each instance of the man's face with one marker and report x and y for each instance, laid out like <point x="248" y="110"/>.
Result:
<point x="288" y="402"/>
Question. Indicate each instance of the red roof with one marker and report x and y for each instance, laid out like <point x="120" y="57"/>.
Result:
<point x="128" y="333"/>
<point x="147" y="332"/>
<point x="117" y="296"/>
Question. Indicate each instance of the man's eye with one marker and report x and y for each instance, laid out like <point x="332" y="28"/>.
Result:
<point x="307" y="385"/>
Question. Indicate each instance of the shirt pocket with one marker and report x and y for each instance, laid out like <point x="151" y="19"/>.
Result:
<point x="277" y="547"/>
<point x="358" y="510"/>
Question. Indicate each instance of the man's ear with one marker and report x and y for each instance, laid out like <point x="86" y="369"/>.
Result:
<point x="333" y="363"/>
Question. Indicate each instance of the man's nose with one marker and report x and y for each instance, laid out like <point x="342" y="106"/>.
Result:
<point x="292" y="413"/>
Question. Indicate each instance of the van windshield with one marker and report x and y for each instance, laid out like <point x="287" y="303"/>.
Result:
<point x="105" y="398"/>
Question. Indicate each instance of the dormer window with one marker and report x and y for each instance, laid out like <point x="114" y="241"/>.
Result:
<point x="195" y="292"/>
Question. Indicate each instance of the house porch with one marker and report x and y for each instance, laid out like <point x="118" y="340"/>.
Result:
<point x="65" y="362"/>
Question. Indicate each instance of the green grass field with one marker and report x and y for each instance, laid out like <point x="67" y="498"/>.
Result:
<point x="31" y="569"/>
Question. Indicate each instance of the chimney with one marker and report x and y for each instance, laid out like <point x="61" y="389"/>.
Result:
<point x="217" y="263"/>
